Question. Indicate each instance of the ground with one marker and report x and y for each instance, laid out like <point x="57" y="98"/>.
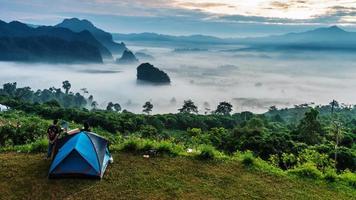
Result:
<point x="24" y="176"/>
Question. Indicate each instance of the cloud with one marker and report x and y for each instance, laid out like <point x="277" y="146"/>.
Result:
<point x="199" y="16"/>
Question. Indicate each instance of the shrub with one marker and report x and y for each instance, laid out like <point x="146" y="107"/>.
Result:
<point x="166" y="147"/>
<point x="147" y="145"/>
<point x="207" y="152"/>
<point x="247" y="158"/>
<point x="306" y="170"/>
<point x="349" y="178"/>
<point x="40" y="145"/>
<point x="148" y="131"/>
<point x="131" y="145"/>
<point x="330" y="175"/>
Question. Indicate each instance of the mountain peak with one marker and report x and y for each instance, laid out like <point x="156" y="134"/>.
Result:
<point x="336" y="28"/>
<point x="331" y="29"/>
<point x="78" y="22"/>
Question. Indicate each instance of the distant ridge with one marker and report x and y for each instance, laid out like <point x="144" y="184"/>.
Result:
<point x="327" y="38"/>
<point x="330" y="38"/>
<point x="18" y="41"/>
<point x="105" y="38"/>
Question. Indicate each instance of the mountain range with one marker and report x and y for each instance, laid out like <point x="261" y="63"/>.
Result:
<point x="75" y="40"/>
<point x="71" y="41"/>
<point x="329" y="38"/>
<point x="105" y="38"/>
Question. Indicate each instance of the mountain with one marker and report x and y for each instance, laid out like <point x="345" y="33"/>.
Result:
<point x="105" y="38"/>
<point x="149" y="73"/>
<point x="144" y="56"/>
<point x="330" y="38"/>
<point x="47" y="49"/>
<point x="21" y="42"/>
<point x="154" y="37"/>
<point x="127" y="58"/>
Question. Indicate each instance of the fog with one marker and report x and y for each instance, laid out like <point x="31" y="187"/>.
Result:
<point x="251" y="81"/>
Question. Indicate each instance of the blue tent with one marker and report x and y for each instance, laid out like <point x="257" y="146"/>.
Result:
<point x="81" y="155"/>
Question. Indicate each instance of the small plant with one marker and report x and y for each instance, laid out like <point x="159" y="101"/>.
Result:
<point x="166" y="147"/>
<point x="248" y="159"/>
<point x="38" y="146"/>
<point x="147" y="145"/>
<point x="307" y="170"/>
<point x="330" y="175"/>
<point x="349" y="178"/>
<point x="207" y="152"/>
<point x="131" y="145"/>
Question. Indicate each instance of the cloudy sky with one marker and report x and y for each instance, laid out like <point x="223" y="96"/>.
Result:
<point x="226" y="18"/>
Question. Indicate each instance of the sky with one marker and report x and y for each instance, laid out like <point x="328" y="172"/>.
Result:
<point x="224" y="18"/>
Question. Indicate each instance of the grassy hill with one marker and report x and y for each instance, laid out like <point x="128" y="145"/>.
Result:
<point x="24" y="176"/>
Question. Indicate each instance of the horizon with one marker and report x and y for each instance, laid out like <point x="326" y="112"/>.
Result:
<point x="185" y="35"/>
<point x="206" y="17"/>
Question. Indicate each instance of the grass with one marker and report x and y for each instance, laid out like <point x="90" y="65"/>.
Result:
<point x="24" y="176"/>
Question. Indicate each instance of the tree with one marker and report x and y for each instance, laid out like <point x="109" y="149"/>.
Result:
<point x="309" y="128"/>
<point x="66" y="86"/>
<point x="84" y="90"/>
<point x="337" y="132"/>
<point x="206" y="108"/>
<point x="110" y="106"/>
<point x="10" y="88"/>
<point x="94" y="105"/>
<point x="224" y="108"/>
<point x="334" y="104"/>
<point x="117" y="107"/>
<point x="188" y="107"/>
<point x="272" y="109"/>
<point x="147" y="108"/>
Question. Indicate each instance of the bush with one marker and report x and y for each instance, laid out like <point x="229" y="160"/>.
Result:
<point x="247" y="158"/>
<point x="349" y="178"/>
<point x="330" y="175"/>
<point x="307" y="170"/>
<point x="40" y="145"/>
<point x="207" y="152"/>
<point x="131" y="145"/>
<point x="168" y="148"/>
<point x="148" y="131"/>
<point x="147" y="145"/>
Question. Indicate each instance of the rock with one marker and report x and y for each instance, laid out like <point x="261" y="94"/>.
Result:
<point x="127" y="58"/>
<point x="149" y="73"/>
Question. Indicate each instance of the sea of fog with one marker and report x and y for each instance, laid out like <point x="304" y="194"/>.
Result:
<point x="251" y="81"/>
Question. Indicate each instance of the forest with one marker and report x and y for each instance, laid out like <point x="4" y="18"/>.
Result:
<point x="316" y="141"/>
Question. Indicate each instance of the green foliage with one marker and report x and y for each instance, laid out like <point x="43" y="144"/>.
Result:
<point x="209" y="136"/>
<point x="306" y="170"/>
<point x="194" y="132"/>
<point x="52" y="97"/>
<point x="207" y="152"/>
<point x="188" y="107"/>
<point x="289" y="160"/>
<point x="309" y="129"/>
<point x="148" y="131"/>
<point x="349" y="178"/>
<point x="39" y="146"/>
<point x="132" y="145"/>
<point x="224" y="108"/>
<point x="330" y="175"/>
<point x="147" y="107"/>
<point x="248" y="159"/>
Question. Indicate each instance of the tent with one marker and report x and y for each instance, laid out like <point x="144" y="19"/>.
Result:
<point x="83" y="154"/>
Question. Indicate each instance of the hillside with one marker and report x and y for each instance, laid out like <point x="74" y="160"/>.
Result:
<point x="24" y="176"/>
<point x="76" y="25"/>
<point x="19" y="31"/>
